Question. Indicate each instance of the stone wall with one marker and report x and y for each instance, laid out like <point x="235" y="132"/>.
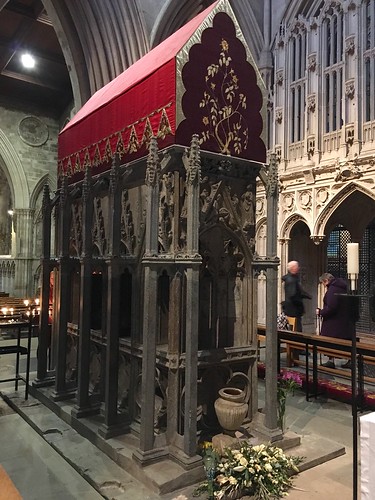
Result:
<point x="28" y="159"/>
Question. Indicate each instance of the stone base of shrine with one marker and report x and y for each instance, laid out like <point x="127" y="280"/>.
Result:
<point x="110" y="462"/>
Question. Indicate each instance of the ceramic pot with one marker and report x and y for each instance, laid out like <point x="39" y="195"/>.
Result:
<point x="231" y="408"/>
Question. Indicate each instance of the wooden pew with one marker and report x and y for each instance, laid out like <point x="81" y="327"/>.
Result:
<point x="328" y="346"/>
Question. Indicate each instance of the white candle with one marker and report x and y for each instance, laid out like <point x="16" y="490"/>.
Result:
<point x="353" y="258"/>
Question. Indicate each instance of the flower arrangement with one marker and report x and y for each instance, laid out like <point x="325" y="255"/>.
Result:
<point x="287" y="383"/>
<point x="263" y="471"/>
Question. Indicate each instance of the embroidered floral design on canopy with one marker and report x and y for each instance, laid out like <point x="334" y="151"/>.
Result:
<point x="223" y="102"/>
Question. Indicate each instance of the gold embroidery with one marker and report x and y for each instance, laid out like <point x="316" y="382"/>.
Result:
<point x="97" y="160"/>
<point x="164" y="126"/>
<point x="77" y="164"/>
<point x="87" y="161"/>
<point x="108" y="155"/>
<point x="133" y="144"/>
<point x="147" y="133"/>
<point x="120" y="147"/>
<point x="69" y="169"/>
<point x="223" y="103"/>
<point x="132" y="147"/>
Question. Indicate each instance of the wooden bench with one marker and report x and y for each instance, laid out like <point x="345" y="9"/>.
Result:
<point x="329" y="346"/>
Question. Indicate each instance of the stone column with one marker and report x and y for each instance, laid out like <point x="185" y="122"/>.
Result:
<point x="146" y="452"/>
<point x="23" y="223"/>
<point x="46" y="267"/>
<point x="63" y="294"/>
<point x="174" y="350"/>
<point x="193" y="172"/>
<point x="83" y="406"/>
<point x="270" y="264"/>
<point x="112" y="426"/>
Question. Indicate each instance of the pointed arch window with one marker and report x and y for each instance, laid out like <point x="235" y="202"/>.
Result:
<point x="369" y="60"/>
<point x="333" y="70"/>
<point x="297" y="58"/>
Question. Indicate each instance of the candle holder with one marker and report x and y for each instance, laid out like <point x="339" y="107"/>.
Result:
<point x="353" y="280"/>
<point x="352" y="305"/>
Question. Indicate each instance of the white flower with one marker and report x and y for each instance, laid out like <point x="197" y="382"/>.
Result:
<point x="239" y="468"/>
<point x="232" y="480"/>
<point x="268" y="467"/>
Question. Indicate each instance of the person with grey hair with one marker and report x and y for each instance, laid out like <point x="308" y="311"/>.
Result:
<point x="294" y="294"/>
<point x="337" y="321"/>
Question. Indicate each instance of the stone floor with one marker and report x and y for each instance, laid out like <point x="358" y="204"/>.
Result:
<point x="34" y="461"/>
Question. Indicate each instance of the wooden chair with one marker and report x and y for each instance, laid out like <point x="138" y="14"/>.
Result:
<point x="289" y="351"/>
<point x="292" y="322"/>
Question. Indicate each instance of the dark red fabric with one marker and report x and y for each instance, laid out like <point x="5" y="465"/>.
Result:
<point x="122" y="117"/>
<point x="142" y="91"/>
<point x="219" y="80"/>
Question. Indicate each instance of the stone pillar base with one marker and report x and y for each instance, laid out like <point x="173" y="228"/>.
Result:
<point x="150" y="456"/>
<point x="44" y="382"/>
<point x="186" y="462"/>
<point x="80" y="412"/>
<point x="62" y="395"/>
<point x="267" y="434"/>
<point x="109" y="431"/>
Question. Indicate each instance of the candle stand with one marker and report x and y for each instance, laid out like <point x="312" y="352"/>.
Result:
<point x="351" y="302"/>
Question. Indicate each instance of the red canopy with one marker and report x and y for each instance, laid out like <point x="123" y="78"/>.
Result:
<point x="199" y="80"/>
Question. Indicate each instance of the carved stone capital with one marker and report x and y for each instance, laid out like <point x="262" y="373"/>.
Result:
<point x="311" y="103"/>
<point x="346" y="170"/>
<point x="280" y="77"/>
<point x="350" y="89"/>
<point x="317" y="238"/>
<point x="279" y="115"/>
<point x="311" y="63"/>
<point x="350" y="46"/>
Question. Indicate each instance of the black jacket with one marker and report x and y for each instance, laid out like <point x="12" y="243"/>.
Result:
<point x="294" y="295"/>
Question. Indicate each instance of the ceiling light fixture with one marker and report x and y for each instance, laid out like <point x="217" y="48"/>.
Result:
<point x="27" y="60"/>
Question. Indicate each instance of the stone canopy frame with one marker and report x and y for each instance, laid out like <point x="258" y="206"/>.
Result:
<point x="172" y="240"/>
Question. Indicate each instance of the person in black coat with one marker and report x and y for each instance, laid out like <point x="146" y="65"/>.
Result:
<point x="337" y="320"/>
<point x="294" y="294"/>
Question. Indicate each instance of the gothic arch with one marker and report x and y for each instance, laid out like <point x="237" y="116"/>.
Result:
<point x="15" y="173"/>
<point x="249" y="26"/>
<point x="71" y="48"/>
<point x="288" y="224"/>
<point x="38" y="189"/>
<point x="261" y="239"/>
<point x="172" y="16"/>
<point x="99" y="40"/>
<point x="226" y="231"/>
<point x="333" y="204"/>
<point x="260" y="223"/>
